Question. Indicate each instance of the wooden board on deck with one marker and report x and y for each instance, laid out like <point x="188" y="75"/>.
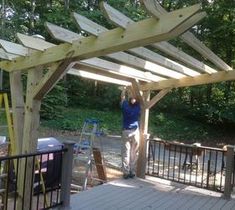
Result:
<point x="99" y="164"/>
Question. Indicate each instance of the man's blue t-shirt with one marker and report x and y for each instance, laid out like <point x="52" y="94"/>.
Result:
<point x="130" y="115"/>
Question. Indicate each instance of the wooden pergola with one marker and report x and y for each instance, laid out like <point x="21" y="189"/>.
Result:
<point x="116" y="56"/>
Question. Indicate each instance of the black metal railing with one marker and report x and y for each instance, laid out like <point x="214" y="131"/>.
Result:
<point x="202" y="167"/>
<point x="35" y="176"/>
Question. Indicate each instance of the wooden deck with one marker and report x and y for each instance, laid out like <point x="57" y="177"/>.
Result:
<point x="151" y="193"/>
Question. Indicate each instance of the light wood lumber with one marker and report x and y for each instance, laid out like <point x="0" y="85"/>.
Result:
<point x="13" y="48"/>
<point x="7" y="56"/>
<point x="138" y="34"/>
<point x="157" y="67"/>
<point x="115" y="16"/>
<point x="139" y="63"/>
<point x="34" y="43"/>
<point x="182" y="56"/>
<point x="97" y="77"/>
<point x="91" y="27"/>
<point x="103" y="72"/>
<point x="137" y="93"/>
<point x="188" y="81"/>
<point x="157" y="98"/>
<point x="32" y="108"/>
<point x="197" y="45"/>
<point x="30" y="136"/>
<point x="51" y="78"/>
<point x="156" y="10"/>
<point x="129" y="59"/>
<point x="144" y="120"/>
<point x="18" y="108"/>
<point x="121" y="69"/>
<point x="61" y="34"/>
<point x="100" y="63"/>
<point x="170" y="49"/>
<point x="163" y="61"/>
<point x="17" y="101"/>
<point x="109" y="66"/>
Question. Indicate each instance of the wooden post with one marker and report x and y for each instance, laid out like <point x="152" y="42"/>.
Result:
<point x="66" y="177"/>
<point x="141" y="163"/>
<point x="229" y="171"/>
<point x="30" y="135"/>
<point x="17" y="100"/>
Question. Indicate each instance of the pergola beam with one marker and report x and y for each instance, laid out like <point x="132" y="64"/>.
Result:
<point x="121" y="69"/>
<point x="91" y="63"/>
<point x="155" y="9"/>
<point x="97" y="77"/>
<point x="139" y="63"/>
<point x="102" y="71"/>
<point x="188" y="81"/>
<point x="123" y="21"/>
<point x="51" y="78"/>
<point x="95" y="29"/>
<point x="138" y="34"/>
<point x="161" y="68"/>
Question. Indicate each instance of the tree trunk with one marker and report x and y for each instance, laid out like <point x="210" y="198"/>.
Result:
<point x="66" y="4"/>
<point x="208" y="93"/>
<point x="33" y="6"/>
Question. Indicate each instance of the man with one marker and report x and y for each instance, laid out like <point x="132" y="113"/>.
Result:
<point x="130" y="135"/>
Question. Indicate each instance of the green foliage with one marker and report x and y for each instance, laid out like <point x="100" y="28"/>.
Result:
<point x="54" y="102"/>
<point x="213" y="104"/>
<point x="167" y="126"/>
<point x="73" y="119"/>
<point x="180" y="128"/>
<point x="90" y="94"/>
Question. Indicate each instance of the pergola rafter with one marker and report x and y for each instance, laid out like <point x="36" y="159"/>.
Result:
<point x="156" y="10"/>
<point x="138" y="34"/>
<point x="123" y="21"/>
<point x="117" y="56"/>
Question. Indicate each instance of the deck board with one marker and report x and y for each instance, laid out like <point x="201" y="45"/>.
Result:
<point x="148" y="194"/>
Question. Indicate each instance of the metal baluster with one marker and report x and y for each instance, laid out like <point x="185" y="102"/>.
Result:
<point x="185" y="163"/>
<point x="31" y="192"/>
<point x="159" y="157"/>
<point x="163" y="165"/>
<point x="16" y="183"/>
<point x="180" y="163"/>
<point x="25" y="169"/>
<point x="39" y="180"/>
<point x="216" y="156"/>
<point x="208" y="170"/>
<point x="174" y="164"/>
<point x="203" y="164"/>
<point x="169" y="161"/>
<point x="221" y="172"/>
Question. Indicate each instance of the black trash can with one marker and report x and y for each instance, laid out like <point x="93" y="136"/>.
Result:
<point x="50" y="164"/>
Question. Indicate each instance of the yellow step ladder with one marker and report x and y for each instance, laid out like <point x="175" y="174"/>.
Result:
<point x="4" y="102"/>
<point x="4" y="105"/>
<point x="89" y="154"/>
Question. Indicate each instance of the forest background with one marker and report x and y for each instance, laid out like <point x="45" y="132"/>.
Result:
<point x="202" y="113"/>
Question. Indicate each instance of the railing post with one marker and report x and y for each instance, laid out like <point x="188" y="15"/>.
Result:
<point x="66" y="177"/>
<point x="228" y="172"/>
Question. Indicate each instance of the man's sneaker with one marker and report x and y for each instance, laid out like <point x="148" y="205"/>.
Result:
<point x="126" y="176"/>
<point x="131" y="175"/>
